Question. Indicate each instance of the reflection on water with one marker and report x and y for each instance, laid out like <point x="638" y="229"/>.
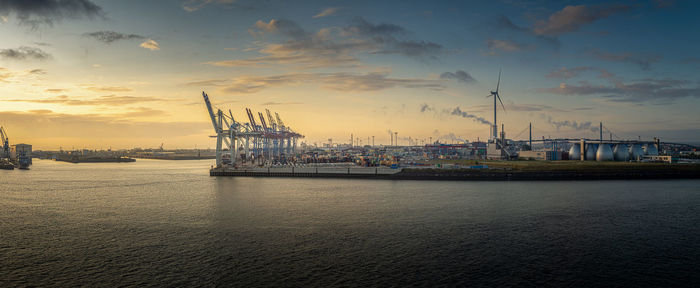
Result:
<point x="169" y="223"/>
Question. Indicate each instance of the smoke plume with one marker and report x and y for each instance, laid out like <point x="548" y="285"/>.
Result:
<point x="457" y="111"/>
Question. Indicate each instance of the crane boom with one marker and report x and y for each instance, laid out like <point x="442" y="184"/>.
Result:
<point x="279" y="121"/>
<point x="271" y="120"/>
<point x="252" y="119"/>
<point x="211" y="112"/>
<point x="3" y="135"/>
<point x="262" y="120"/>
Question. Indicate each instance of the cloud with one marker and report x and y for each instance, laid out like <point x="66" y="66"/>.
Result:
<point x="194" y="5"/>
<point x="523" y="108"/>
<point x="459" y="75"/>
<point x="529" y="107"/>
<point x="23" y="53"/>
<point x="643" y="61"/>
<point x="109" y="100"/>
<point x="210" y="82"/>
<point x="37" y="12"/>
<point x="281" y="56"/>
<point x="458" y="112"/>
<point x="346" y="82"/>
<point x="282" y="26"/>
<point x="657" y="91"/>
<point x="7" y="75"/>
<point x="55" y="90"/>
<point x="107" y="88"/>
<point x="150" y="44"/>
<point x="425" y="107"/>
<point x="575" y="125"/>
<point x="139" y="112"/>
<point x="503" y="45"/>
<point x="387" y="35"/>
<point x="330" y="47"/>
<point x="111" y="36"/>
<point x="572" y="18"/>
<point x="327" y="12"/>
<point x="270" y="103"/>
<point x="45" y="125"/>
<point x="495" y="45"/>
<point x="504" y="23"/>
<point x="567" y="73"/>
<point x="373" y="82"/>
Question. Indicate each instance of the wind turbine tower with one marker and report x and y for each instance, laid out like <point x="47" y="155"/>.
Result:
<point x="496" y="96"/>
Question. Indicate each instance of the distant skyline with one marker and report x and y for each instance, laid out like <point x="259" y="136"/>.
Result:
<point x="122" y="74"/>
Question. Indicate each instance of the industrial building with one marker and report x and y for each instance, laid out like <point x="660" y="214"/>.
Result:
<point x="18" y="150"/>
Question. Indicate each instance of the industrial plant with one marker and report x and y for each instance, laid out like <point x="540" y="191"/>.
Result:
<point x="266" y="146"/>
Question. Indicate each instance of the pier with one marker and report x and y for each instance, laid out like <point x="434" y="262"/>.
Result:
<point x="321" y="172"/>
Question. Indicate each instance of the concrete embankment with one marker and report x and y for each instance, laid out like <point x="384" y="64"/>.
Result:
<point x="320" y="172"/>
<point x="668" y="172"/>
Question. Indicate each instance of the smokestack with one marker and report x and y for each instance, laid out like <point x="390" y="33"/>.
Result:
<point x="601" y="132"/>
<point x="530" y="135"/>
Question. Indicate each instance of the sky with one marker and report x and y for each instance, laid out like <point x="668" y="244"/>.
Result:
<point x="123" y="74"/>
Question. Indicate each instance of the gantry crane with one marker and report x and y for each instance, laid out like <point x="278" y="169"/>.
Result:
<point x="262" y="135"/>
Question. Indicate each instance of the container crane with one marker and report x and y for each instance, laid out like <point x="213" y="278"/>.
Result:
<point x="268" y="136"/>
<point x="222" y="135"/>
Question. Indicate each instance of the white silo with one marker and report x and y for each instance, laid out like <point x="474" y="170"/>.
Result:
<point x="636" y="152"/>
<point x="591" y="150"/>
<point x="621" y="152"/>
<point x="575" y="152"/>
<point x="604" y="153"/>
<point x="650" y="149"/>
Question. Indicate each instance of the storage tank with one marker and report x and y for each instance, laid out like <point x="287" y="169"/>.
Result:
<point x="591" y="150"/>
<point x="621" y="152"/>
<point x="575" y="152"/>
<point x="650" y="149"/>
<point x="604" y="153"/>
<point x="636" y="152"/>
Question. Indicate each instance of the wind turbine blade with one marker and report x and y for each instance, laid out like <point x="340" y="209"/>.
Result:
<point x="499" y="80"/>
<point x="499" y="100"/>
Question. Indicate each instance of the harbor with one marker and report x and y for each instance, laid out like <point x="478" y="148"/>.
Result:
<point x="266" y="147"/>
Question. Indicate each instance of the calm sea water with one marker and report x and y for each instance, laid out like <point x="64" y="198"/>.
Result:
<point x="167" y="223"/>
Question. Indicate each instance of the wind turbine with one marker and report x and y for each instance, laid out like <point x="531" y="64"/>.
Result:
<point x="495" y="105"/>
